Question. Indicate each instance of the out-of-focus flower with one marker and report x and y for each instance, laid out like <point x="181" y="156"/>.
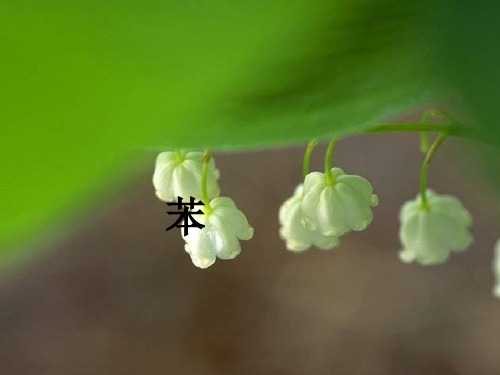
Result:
<point x="496" y="270"/>
<point x="178" y="174"/>
<point x="338" y="207"/>
<point x="297" y="230"/>
<point x="430" y="233"/>
<point x="225" y="226"/>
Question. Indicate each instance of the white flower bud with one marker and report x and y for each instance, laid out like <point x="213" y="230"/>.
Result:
<point x="430" y="234"/>
<point x="340" y="207"/>
<point x="178" y="174"/>
<point x="496" y="270"/>
<point x="297" y="230"/>
<point x="225" y="225"/>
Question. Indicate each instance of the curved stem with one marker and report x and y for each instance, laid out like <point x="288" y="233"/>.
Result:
<point x="204" y="188"/>
<point x="307" y="157"/>
<point x="328" y="161"/>
<point x="425" y="166"/>
<point x="425" y="118"/>
<point x="450" y="128"/>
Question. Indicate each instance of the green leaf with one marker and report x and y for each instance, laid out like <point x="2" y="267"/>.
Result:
<point x="359" y="63"/>
<point x="474" y="52"/>
<point x="472" y="30"/>
<point x="87" y="84"/>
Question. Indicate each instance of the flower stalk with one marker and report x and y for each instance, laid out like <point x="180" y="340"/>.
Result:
<point x="451" y="128"/>
<point x="307" y="157"/>
<point x="328" y="161"/>
<point x="425" y="167"/>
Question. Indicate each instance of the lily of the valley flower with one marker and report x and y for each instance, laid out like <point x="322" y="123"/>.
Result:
<point x="430" y="233"/>
<point x="496" y="270"/>
<point x="338" y="206"/>
<point x="297" y="230"/>
<point x="178" y="174"/>
<point x="225" y="226"/>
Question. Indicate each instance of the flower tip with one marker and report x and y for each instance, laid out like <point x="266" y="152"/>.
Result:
<point x="229" y="254"/>
<point x="406" y="256"/>
<point x="362" y="225"/>
<point x="199" y="261"/>
<point x="202" y="263"/>
<point x="160" y="196"/>
<point x="297" y="247"/>
<point x="496" y="292"/>
<point x="247" y="234"/>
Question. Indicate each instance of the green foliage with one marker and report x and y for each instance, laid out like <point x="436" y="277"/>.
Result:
<point x="87" y="84"/>
<point x="473" y="52"/>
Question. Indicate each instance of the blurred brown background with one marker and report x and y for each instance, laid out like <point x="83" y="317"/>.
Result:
<point x="120" y="295"/>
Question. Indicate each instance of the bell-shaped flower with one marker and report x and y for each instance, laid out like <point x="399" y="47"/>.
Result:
<point x="496" y="270"/>
<point x="339" y="206"/>
<point x="178" y="174"/>
<point x="225" y="226"/>
<point x="297" y="229"/>
<point x="430" y="233"/>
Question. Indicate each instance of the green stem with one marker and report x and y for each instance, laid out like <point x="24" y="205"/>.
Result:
<point x="425" y="166"/>
<point x="424" y="142"/>
<point x="426" y="117"/>
<point x="307" y="157"/>
<point x="328" y="161"/>
<point x="449" y="128"/>
<point x="204" y="188"/>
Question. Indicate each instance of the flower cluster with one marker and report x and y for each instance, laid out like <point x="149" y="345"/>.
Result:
<point x="180" y="174"/>
<point x="321" y="210"/>
<point x="298" y="231"/>
<point x="224" y="227"/>
<point x="324" y="208"/>
<point x="331" y="204"/>
<point x="339" y="206"/>
<point x="431" y="232"/>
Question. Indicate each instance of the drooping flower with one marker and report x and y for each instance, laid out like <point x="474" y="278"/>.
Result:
<point x="430" y="233"/>
<point x="297" y="229"/>
<point x="225" y="226"/>
<point x="178" y="174"/>
<point x="496" y="270"/>
<point x="338" y="206"/>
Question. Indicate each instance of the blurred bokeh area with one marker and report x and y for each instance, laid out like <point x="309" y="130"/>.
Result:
<point x="120" y="296"/>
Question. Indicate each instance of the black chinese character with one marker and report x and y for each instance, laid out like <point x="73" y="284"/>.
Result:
<point x="186" y="215"/>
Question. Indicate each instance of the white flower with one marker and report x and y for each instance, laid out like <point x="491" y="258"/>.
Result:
<point x="340" y="207"/>
<point x="496" y="270"/>
<point x="430" y="234"/>
<point x="225" y="225"/>
<point x="178" y="174"/>
<point x="297" y="230"/>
